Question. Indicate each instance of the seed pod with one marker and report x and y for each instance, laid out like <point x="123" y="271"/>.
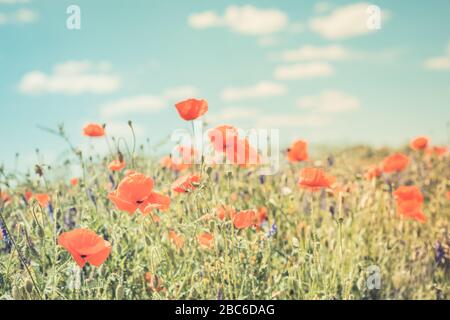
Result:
<point x="41" y="232"/>
<point x="16" y="294"/>
<point x="38" y="170"/>
<point x="119" y="292"/>
<point x="29" y="286"/>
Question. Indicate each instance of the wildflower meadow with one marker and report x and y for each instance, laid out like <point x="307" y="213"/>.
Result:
<point x="224" y="158"/>
<point x="358" y="223"/>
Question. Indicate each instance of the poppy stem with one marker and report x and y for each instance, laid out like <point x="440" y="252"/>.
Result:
<point x="107" y="144"/>
<point x="130" y="124"/>
<point x="193" y="128"/>
<point x="314" y="229"/>
<point x="340" y="225"/>
<point x="22" y="260"/>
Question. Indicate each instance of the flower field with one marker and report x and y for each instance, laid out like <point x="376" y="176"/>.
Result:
<point x="357" y="223"/>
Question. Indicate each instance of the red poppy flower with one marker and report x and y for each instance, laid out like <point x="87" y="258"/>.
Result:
<point x="168" y="163"/>
<point x="28" y="195"/>
<point x="116" y="165"/>
<point x="223" y="137"/>
<point x="93" y="130"/>
<point x="191" y="109"/>
<point x="186" y="183"/>
<point x="395" y="163"/>
<point x="243" y="154"/>
<point x="314" y="179"/>
<point x="4" y="197"/>
<point x="42" y="198"/>
<point x="244" y="219"/>
<point x="448" y="195"/>
<point x="154" y="282"/>
<point x="85" y="246"/>
<point x="437" y="150"/>
<point x="411" y="209"/>
<point x="298" y="151"/>
<point x="206" y="240"/>
<point x="224" y="212"/>
<point x="373" y="173"/>
<point x="440" y="150"/>
<point x="132" y="192"/>
<point x="177" y="240"/>
<point x="74" y="181"/>
<point x="408" y="193"/>
<point x="419" y="143"/>
<point x="261" y="216"/>
<point x="155" y="201"/>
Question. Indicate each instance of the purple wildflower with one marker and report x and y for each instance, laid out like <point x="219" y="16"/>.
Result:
<point x="5" y="238"/>
<point x="262" y="179"/>
<point x="272" y="231"/>
<point x="50" y="211"/>
<point x="332" y="211"/>
<point x="91" y="196"/>
<point x="438" y="252"/>
<point x="330" y="160"/>
<point x="113" y="183"/>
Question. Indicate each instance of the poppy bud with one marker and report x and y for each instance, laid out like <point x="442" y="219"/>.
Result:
<point x="119" y="292"/>
<point x="209" y="170"/>
<point x="361" y="283"/>
<point x="38" y="170"/>
<point x="61" y="128"/>
<point x="29" y="286"/>
<point x="15" y="293"/>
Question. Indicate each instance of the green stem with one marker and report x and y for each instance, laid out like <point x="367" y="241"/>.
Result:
<point x="22" y="260"/>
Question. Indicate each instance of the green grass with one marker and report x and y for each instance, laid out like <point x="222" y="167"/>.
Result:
<point x="313" y="255"/>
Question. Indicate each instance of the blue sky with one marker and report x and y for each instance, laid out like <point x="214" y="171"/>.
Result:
<point x="309" y="68"/>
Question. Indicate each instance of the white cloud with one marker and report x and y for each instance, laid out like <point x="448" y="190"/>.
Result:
<point x="236" y="113"/>
<point x="303" y="71"/>
<point x="309" y="52"/>
<point x="13" y="1"/>
<point x="296" y="27"/>
<point x="206" y="19"/>
<point x="21" y="16"/>
<point x="439" y="63"/>
<point x="297" y="121"/>
<point x="142" y="103"/>
<point x="267" y="41"/>
<point x="330" y="101"/>
<point x="261" y="89"/>
<point x="322" y="6"/>
<point x="345" y="22"/>
<point x="122" y="129"/>
<point x="25" y="16"/>
<point x="259" y="119"/>
<point x="245" y="19"/>
<point x="180" y="93"/>
<point x="147" y="103"/>
<point x="71" y="77"/>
